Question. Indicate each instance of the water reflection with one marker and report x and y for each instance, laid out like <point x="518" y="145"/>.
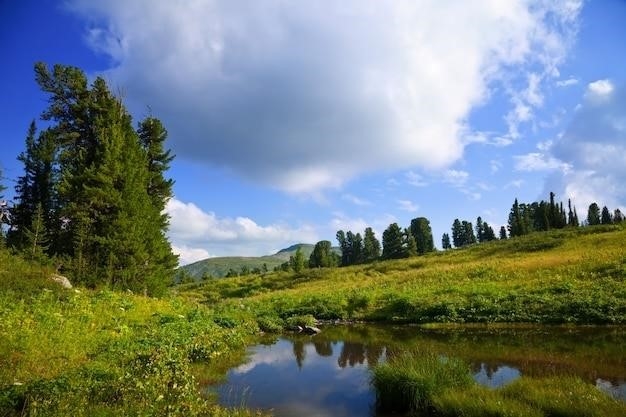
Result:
<point x="495" y="378"/>
<point x="327" y="374"/>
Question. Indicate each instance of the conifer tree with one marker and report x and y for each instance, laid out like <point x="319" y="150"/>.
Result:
<point x="618" y="217"/>
<point x="423" y="235"/>
<point x="409" y="245"/>
<point x="322" y="255"/>
<point x="606" y="217"/>
<point x="480" y="234"/>
<point x="345" y="248"/>
<point x="457" y="233"/>
<point x="393" y="242"/>
<point x="593" y="214"/>
<point x="445" y="242"/>
<point x="36" y="189"/>
<point x="109" y="189"/>
<point x="503" y="233"/>
<point x="296" y="261"/>
<point x="469" y="237"/>
<point x="371" y="246"/>
<point x="488" y="233"/>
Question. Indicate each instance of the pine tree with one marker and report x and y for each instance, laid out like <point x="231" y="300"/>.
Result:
<point x="393" y="242"/>
<point x="488" y="233"/>
<point x="572" y="218"/>
<point x="322" y="255"/>
<point x="480" y="234"/>
<point x="35" y="190"/>
<point x="371" y="246"/>
<point x="423" y="234"/>
<point x="618" y="217"/>
<point x="457" y="233"/>
<point x="469" y="237"/>
<point x="345" y="248"/>
<point x="503" y="233"/>
<point x="297" y="261"/>
<point x="445" y="242"/>
<point x="593" y="214"/>
<point x="409" y="245"/>
<point x="36" y="236"/>
<point x="606" y="217"/>
<point x="110" y="189"/>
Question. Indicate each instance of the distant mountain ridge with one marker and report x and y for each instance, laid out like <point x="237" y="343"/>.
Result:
<point x="218" y="267"/>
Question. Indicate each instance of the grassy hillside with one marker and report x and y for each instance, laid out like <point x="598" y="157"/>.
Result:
<point x="219" y="267"/>
<point x="83" y="353"/>
<point x="563" y="276"/>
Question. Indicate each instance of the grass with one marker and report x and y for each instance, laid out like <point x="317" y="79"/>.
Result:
<point x="422" y="382"/>
<point x="82" y="353"/>
<point x="574" y="276"/>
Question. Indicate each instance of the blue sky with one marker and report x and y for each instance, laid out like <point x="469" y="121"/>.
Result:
<point x="291" y="120"/>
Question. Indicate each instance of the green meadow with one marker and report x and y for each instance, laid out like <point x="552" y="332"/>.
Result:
<point x="102" y="352"/>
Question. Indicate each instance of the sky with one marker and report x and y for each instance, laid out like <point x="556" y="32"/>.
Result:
<point x="291" y="120"/>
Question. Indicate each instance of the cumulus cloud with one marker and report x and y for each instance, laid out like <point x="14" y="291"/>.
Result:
<point x="357" y="201"/>
<point x="408" y="205"/>
<point x="455" y="178"/>
<point x="594" y="147"/>
<point x="537" y="161"/>
<point x="195" y="233"/>
<point x="567" y="82"/>
<point x="305" y="95"/>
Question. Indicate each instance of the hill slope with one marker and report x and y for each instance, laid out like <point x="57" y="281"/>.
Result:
<point x="219" y="267"/>
<point x="562" y="276"/>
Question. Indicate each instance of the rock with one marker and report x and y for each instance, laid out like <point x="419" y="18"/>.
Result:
<point x="311" y="330"/>
<point x="61" y="280"/>
<point x="296" y="329"/>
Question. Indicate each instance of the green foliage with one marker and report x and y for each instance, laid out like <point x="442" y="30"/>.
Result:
<point x="297" y="262"/>
<point x="93" y="189"/>
<point x="106" y="353"/>
<point x="393" y="242"/>
<point x="323" y="255"/>
<point x="423" y="234"/>
<point x="593" y="214"/>
<point x="420" y="382"/>
<point x="411" y="381"/>
<point x="371" y="246"/>
<point x="559" y="276"/>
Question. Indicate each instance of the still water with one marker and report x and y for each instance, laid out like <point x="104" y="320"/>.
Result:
<point x="328" y="374"/>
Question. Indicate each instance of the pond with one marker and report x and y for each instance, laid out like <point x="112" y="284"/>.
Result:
<point x="328" y="374"/>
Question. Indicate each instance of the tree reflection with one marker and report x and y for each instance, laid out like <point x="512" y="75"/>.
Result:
<point x="299" y="352"/>
<point x="323" y="347"/>
<point x="356" y="353"/>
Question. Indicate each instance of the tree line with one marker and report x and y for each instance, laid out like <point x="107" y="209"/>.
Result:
<point x="417" y="239"/>
<point x="94" y="188"/>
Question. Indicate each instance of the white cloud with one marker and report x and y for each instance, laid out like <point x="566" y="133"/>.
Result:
<point x="415" y="179"/>
<point x="514" y="184"/>
<point x="455" y="177"/>
<point x="594" y="147"/>
<point x="357" y="201"/>
<point x="281" y="92"/>
<point x="495" y="165"/>
<point x="599" y="90"/>
<point x="194" y="232"/>
<point x="537" y="161"/>
<point x="188" y="255"/>
<point x="567" y="82"/>
<point x="407" y="205"/>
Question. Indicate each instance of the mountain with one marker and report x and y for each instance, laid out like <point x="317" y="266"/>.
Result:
<point x="219" y="267"/>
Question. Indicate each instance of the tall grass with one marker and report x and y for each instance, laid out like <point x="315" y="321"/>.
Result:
<point x="412" y="380"/>
<point x="81" y="353"/>
<point x="427" y="383"/>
